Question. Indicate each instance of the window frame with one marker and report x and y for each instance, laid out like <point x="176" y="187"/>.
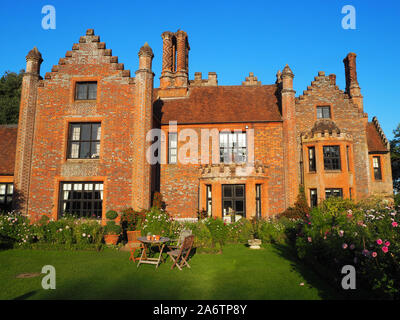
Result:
<point x="232" y="147"/>
<point x="87" y="83"/>
<point x="7" y="206"/>
<point x="233" y="198"/>
<point x="80" y="141"/>
<point x="312" y="163"/>
<point x="332" y="192"/>
<point x="329" y="160"/>
<point x="258" y="201"/>
<point x="170" y="134"/>
<point x="209" y="199"/>
<point x="81" y="200"/>
<point x="377" y="177"/>
<point x="323" y="109"/>
<point x="313" y="198"/>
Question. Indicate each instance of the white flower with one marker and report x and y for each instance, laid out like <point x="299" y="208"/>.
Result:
<point x="83" y="234"/>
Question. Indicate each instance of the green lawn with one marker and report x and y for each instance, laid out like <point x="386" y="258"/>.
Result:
<point x="238" y="273"/>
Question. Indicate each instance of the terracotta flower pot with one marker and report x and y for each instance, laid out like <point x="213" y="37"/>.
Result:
<point x="111" y="238"/>
<point x="133" y="235"/>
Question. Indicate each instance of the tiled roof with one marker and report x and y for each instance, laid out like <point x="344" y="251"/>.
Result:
<point x="222" y="104"/>
<point x="8" y="143"/>
<point x="374" y="139"/>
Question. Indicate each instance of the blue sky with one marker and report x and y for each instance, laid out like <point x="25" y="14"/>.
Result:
<point x="231" y="38"/>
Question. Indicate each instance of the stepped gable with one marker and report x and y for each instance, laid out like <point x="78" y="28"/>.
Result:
<point x="89" y="51"/>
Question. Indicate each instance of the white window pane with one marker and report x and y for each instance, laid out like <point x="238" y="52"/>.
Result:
<point x="98" y="133"/>
<point x="76" y="132"/>
<point x="173" y="159"/>
<point x="66" y="194"/>
<point x="101" y="195"/>
<point x="78" y="186"/>
<point x="67" y="186"/>
<point x="10" y="189"/>
<point x="75" y="150"/>
<point x="88" y="186"/>
<point x="2" y="189"/>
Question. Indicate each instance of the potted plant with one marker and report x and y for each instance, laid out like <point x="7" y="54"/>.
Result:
<point x="111" y="230"/>
<point x="129" y="222"/>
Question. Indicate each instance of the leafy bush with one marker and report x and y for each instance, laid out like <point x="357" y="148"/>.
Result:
<point x="272" y="230"/>
<point x="239" y="231"/>
<point x="341" y="232"/>
<point x="65" y="233"/>
<point x="14" y="229"/>
<point x="300" y="209"/>
<point x="157" y="221"/>
<point x="112" y="228"/>
<point x="111" y="215"/>
<point x="130" y="219"/>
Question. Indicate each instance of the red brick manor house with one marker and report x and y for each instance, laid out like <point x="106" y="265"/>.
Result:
<point x="80" y="145"/>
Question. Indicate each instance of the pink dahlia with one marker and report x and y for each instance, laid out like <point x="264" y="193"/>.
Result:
<point x="394" y="224"/>
<point x="374" y="254"/>
<point x="385" y="249"/>
<point x="379" y="241"/>
<point x="387" y="243"/>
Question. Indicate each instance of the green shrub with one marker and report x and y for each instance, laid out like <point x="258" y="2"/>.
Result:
<point x="111" y="215"/>
<point x="157" y="221"/>
<point x="272" y="230"/>
<point x="130" y="219"/>
<point x="112" y="228"/>
<point x="239" y="231"/>
<point x="366" y="235"/>
<point x="14" y="230"/>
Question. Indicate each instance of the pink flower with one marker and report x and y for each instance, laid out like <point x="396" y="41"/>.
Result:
<point x="374" y="254"/>
<point x="309" y="239"/>
<point x="344" y="246"/>
<point x="379" y="241"/>
<point x="352" y="246"/>
<point x="385" y="249"/>
<point x="387" y="243"/>
<point x="394" y="224"/>
<point x="341" y="232"/>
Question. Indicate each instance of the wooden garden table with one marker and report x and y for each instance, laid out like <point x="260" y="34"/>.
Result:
<point x="149" y="243"/>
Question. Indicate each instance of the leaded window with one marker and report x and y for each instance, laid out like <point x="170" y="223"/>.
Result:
<point x="332" y="158"/>
<point x="6" y="196"/>
<point x="377" y="168"/>
<point x="233" y="147"/>
<point x="172" y="147"/>
<point x="84" y="140"/>
<point x="324" y="112"/>
<point x="333" y="192"/>
<point x="311" y="159"/>
<point x="86" y="90"/>
<point x="81" y="199"/>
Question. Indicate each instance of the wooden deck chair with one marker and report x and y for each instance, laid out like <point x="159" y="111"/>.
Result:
<point x="137" y="245"/>
<point x="180" y="256"/>
<point x="184" y="233"/>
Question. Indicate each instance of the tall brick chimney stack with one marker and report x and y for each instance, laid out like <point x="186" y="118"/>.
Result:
<point x="174" y="79"/>
<point x="143" y="124"/>
<point x="289" y="136"/>
<point x="167" y="59"/>
<point x="182" y="52"/>
<point x="26" y="127"/>
<point x="352" y="87"/>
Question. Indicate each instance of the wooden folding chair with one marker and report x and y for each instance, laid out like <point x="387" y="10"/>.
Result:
<point x="180" y="256"/>
<point x="135" y="246"/>
<point x="184" y="233"/>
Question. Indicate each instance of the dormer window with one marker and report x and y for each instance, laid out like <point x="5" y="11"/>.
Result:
<point x="323" y="112"/>
<point x="86" y="90"/>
